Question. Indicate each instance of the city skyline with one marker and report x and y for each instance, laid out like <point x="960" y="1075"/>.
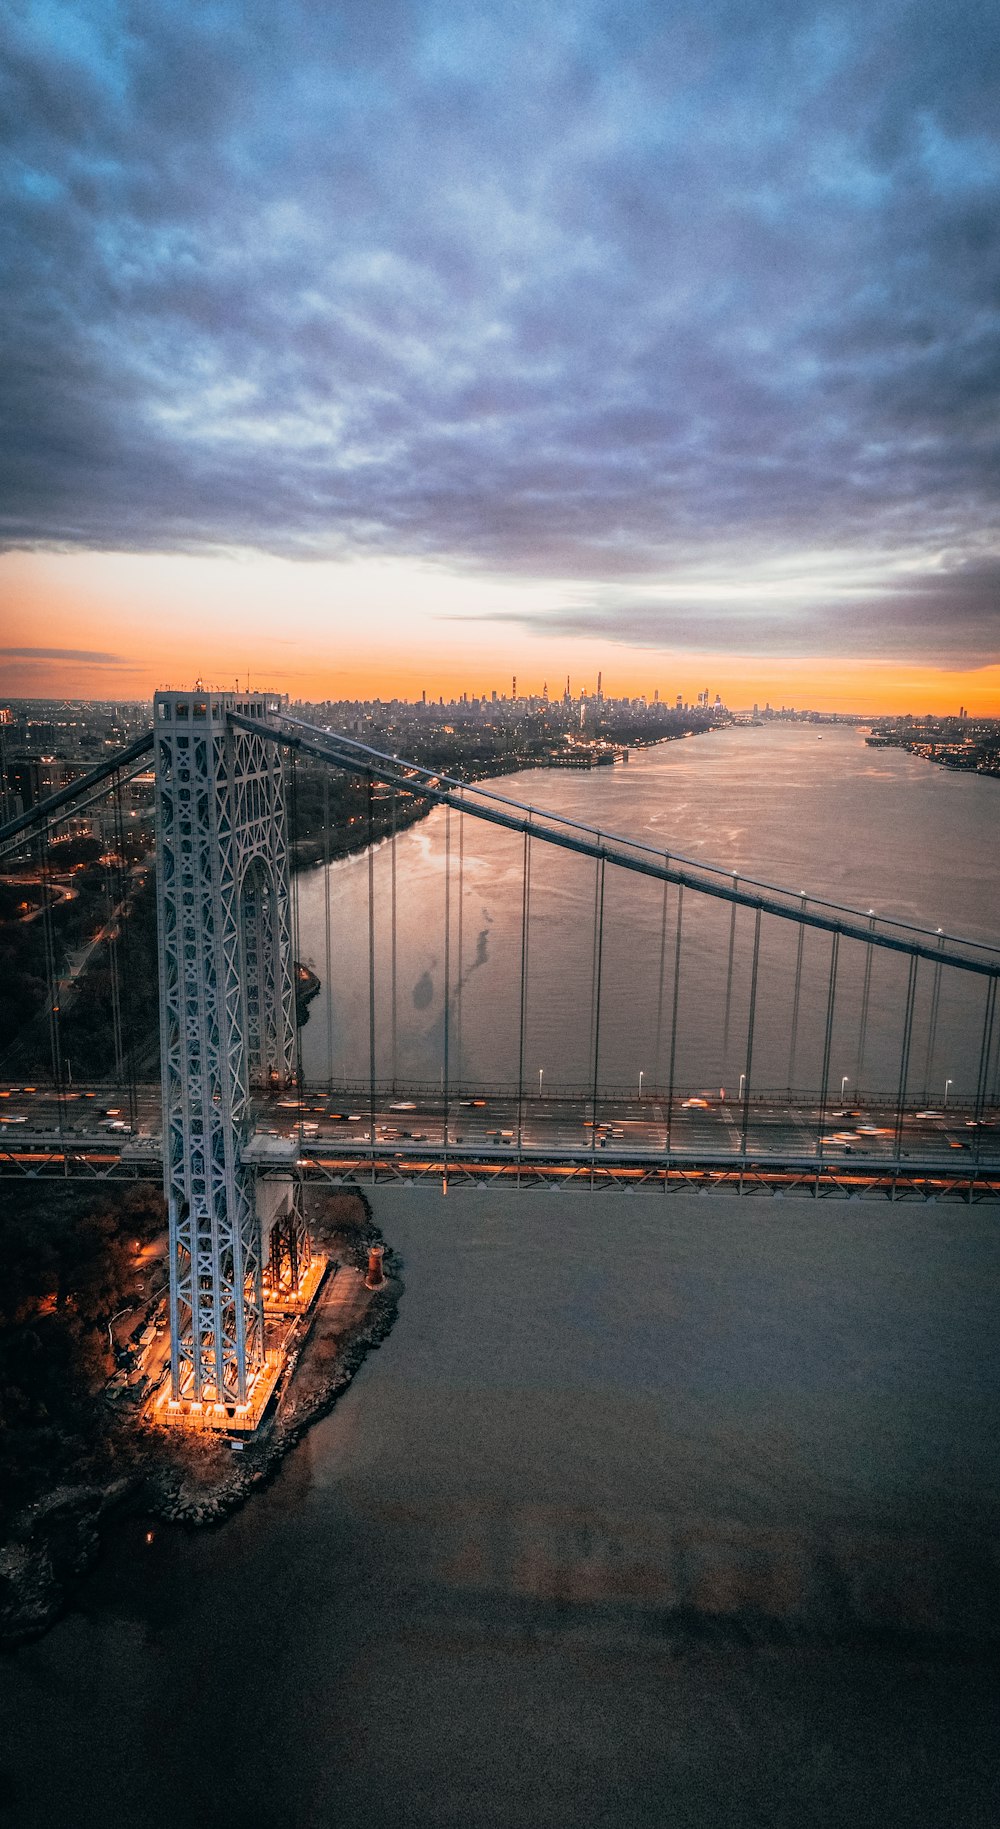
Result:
<point x="403" y="344"/>
<point x="171" y="620"/>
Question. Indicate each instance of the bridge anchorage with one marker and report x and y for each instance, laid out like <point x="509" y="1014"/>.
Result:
<point x="725" y="982"/>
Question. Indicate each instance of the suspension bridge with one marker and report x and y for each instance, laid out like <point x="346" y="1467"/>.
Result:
<point x="748" y="998"/>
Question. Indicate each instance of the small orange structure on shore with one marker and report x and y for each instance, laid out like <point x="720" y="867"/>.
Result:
<point x="376" y="1274"/>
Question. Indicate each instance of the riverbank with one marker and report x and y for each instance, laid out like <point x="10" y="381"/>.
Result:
<point x="389" y="813"/>
<point x="170" y="1477"/>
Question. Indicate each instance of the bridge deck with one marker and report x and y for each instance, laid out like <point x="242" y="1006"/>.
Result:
<point x="324" y="1136"/>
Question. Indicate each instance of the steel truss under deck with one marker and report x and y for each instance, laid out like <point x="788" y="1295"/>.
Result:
<point x="35" y="1159"/>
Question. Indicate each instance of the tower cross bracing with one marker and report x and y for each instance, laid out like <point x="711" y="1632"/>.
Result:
<point x="227" y="1021"/>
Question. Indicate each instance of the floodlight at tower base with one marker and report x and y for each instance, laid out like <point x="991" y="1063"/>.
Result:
<point x="284" y="1310"/>
<point x="299" y="1299"/>
<point x="208" y="1415"/>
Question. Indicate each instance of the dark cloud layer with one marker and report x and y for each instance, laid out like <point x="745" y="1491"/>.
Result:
<point x="607" y="292"/>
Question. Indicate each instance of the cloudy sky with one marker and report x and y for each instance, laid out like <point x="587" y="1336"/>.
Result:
<point x="381" y="345"/>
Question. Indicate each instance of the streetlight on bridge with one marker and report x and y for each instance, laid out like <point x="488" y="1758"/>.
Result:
<point x="640" y="1082"/>
<point x="843" y="1087"/>
<point x="541" y="1070"/>
<point x="946" y="1086"/>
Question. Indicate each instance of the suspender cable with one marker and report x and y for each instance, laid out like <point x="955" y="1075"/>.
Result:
<point x="112" y="890"/>
<point x="525" y="912"/>
<point x="327" y="948"/>
<point x="932" y="1023"/>
<point x="371" y="975"/>
<point x="659" y="993"/>
<point x="985" y="1050"/>
<point x="51" y="966"/>
<point x="296" y="949"/>
<point x="127" y="1009"/>
<point x="983" y="1076"/>
<point x="598" y="884"/>
<point x="831" y="994"/>
<point x="793" y="1043"/>
<point x="865" y="998"/>
<point x="745" y="1117"/>
<point x="459" y="976"/>
<point x="114" y="974"/>
<point x="904" y="1056"/>
<point x="729" y="983"/>
<point x="673" y="1018"/>
<point x="393" y="1008"/>
<point x="445" y="1073"/>
<point x="598" y="967"/>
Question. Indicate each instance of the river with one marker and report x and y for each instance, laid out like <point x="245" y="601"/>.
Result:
<point x="648" y="1511"/>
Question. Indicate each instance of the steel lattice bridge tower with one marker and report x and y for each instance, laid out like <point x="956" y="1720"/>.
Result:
<point x="238" y="1244"/>
<point x="227" y="1024"/>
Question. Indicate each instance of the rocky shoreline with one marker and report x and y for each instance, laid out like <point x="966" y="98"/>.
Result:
<point x="208" y="1491"/>
<point x="192" y="1480"/>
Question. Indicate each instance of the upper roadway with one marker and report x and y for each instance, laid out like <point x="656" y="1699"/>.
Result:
<point x="325" y="1127"/>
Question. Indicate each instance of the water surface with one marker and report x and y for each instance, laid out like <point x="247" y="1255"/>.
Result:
<point x="647" y="1511"/>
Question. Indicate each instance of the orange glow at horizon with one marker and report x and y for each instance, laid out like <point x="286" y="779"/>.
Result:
<point x="116" y="626"/>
